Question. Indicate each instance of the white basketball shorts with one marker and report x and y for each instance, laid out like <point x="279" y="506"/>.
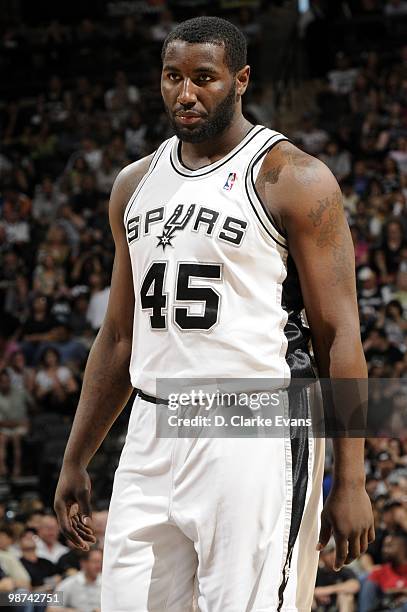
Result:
<point x="234" y="519"/>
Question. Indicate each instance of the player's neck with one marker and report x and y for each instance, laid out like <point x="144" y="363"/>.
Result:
<point x="197" y="155"/>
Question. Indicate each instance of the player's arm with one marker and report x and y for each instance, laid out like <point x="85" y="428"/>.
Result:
<point x="306" y="202"/>
<point x="106" y="385"/>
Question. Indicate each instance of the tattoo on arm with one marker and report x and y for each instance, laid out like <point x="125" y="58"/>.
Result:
<point x="328" y="217"/>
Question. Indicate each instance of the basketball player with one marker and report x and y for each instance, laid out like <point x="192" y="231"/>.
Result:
<point x="222" y="236"/>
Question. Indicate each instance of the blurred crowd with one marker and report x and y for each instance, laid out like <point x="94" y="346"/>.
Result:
<point x="34" y="563"/>
<point x="83" y="101"/>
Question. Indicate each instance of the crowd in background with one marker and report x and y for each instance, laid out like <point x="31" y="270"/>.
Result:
<point x="84" y="101"/>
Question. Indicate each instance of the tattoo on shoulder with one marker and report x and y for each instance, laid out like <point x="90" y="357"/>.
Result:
<point x="328" y="217"/>
<point x="304" y="166"/>
<point x="270" y="176"/>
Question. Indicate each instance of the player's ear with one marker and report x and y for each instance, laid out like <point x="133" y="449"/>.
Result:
<point x="242" y="80"/>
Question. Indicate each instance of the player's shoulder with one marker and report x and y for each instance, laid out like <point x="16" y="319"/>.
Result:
<point x="129" y="177"/>
<point x="291" y="181"/>
<point x="125" y="185"/>
<point x="285" y="162"/>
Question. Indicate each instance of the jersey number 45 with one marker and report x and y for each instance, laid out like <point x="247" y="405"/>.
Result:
<point x="155" y="299"/>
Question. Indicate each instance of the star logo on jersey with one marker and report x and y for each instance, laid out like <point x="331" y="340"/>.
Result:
<point x="174" y="224"/>
<point x="230" y="181"/>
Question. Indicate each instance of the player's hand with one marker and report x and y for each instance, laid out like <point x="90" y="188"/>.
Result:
<point x="72" y="506"/>
<point x="348" y="516"/>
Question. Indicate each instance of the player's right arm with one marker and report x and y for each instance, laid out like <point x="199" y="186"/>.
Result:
<point x="106" y="384"/>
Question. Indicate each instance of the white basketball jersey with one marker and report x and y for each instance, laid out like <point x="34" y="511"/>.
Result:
<point x="208" y="269"/>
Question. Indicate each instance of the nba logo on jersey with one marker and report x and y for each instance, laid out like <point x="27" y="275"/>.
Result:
<point x="230" y="182"/>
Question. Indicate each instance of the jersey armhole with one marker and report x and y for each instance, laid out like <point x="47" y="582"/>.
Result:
<point x="151" y="168"/>
<point x="262" y="213"/>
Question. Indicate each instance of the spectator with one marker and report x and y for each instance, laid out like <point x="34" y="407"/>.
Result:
<point x="135" y="135"/>
<point x="71" y="351"/>
<point x="106" y="175"/>
<point x="361" y="249"/>
<point x="399" y="154"/>
<point x="8" y="345"/>
<point x="34" y="521"/>
<point x="370" y="295"/>
<point x="13" y="421"/>
<point x="21" y="376"/>
<point x="379" y="349"/>
<point x="86" y="201"/>
<point x="6" y="538"/>
<point x="386" y="586"/>
<point x="400" y="293"/>
<point x="98" y="300"/>
<point x="384" y="465"/>
<point x="394" y="324"/>
<point x="122" y="95"/>
<point x="9" y="563"/>
<point x="388" y="522"/>
<point x="47" y="199"/>
<point x="388" y="257"/>
<point x="16" y="301"/>
<point x="69" y="563"/>
<point x="164" y="26"/>
<point x="43" y="573"/>
<point x="6" y="583"/>
<point x="343" y="77"/>
<point x="91" y="153"/>
<point x="55" y="385"/>
<point x="48" y="278"/>
<point x="15" y="224"/>
<point x="56" y="245"/>
<point x="40" y="328"/>
<point x="339" y="162"/>
<point x="81" y="591"/>
<point x="48" y="545"/>
<point x="311" y="138"/>
<point x="77" y="320"/>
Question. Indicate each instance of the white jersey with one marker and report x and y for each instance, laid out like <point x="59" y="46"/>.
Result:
<point x="208" y="269"/>
<point x="216" y="296"/>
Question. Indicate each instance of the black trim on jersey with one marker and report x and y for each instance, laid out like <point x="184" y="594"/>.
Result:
<point x="224" y="160"/>
<point x="253" y="164"/>
<point x="140" y="186"/>
<point x="261" y="222"/>
<point x="262" y="205"/>
<point x="150" y="398"/>
<point x="298" y="408"/>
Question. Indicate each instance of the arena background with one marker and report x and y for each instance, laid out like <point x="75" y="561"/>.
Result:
<point x="80" y="99"/>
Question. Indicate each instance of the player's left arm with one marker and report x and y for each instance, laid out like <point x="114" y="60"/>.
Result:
<point x="305" y="199"/>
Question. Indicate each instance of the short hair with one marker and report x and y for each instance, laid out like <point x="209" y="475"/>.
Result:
<point x="50" y="349"/>
<point x="216" y="31"/>
<point x="7" y="530"/>
<point x="400" y="534"/>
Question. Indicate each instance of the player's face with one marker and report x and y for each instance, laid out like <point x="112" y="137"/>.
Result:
<point x="200" y="93"/>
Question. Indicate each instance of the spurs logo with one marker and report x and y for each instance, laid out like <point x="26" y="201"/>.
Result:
<point x="175" y="223"/>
